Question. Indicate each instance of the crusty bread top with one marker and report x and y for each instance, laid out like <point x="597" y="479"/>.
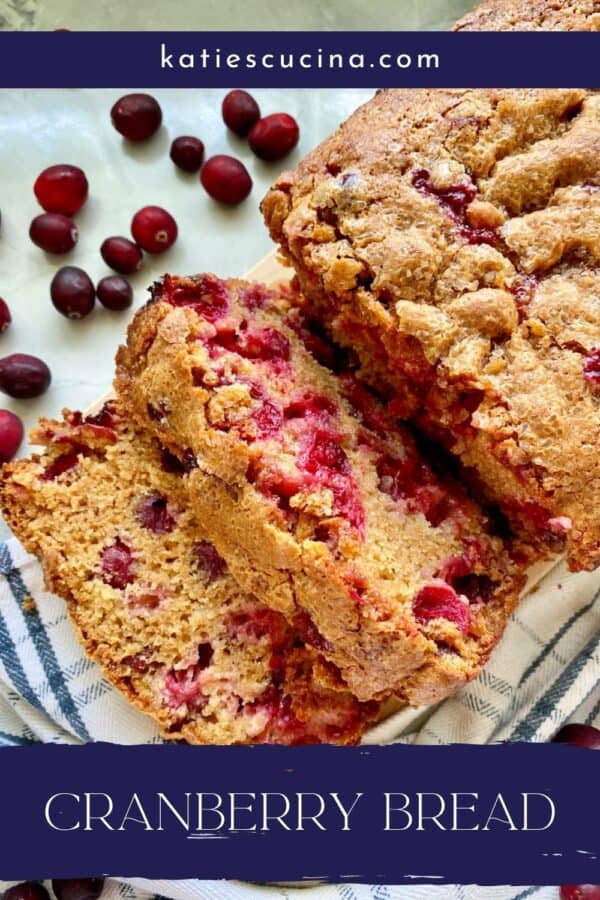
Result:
<point x="532" y="15"/>
<point x="469" y="220"/>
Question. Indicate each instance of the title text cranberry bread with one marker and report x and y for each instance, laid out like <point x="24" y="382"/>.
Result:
<point x="152" y="600"/>
<point x="532" y="15"/>
<point x="452" y="237"/>
<point x="321" y="503"/>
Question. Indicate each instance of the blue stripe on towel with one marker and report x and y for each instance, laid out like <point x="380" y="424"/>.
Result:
<point x="528" y="893"/>
<point x="591" y="718"/>
<point x="46" y="653"/>
<point x="548" y="701"/>
<point x="14" y="740"/>
<point x="15" y="670"/>
<point x="550" y="645"/>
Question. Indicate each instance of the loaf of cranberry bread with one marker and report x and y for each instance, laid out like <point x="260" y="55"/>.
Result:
<point x="532" y="15"/>
<point x="105" y="510"/>
<point x="452" y="239"/>
<point x="322" y="504"/>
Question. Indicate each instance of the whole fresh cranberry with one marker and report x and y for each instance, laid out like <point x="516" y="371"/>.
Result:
<point x="187" y="153"/>
<point x="154" y="229"/>
<point x="53" y="232"/>
<point x="114" y="292"/>
<point x="273" y="137"/>
<point x="61" y="189"/>
<point x="580" y="892"/>
<point x="11" y="434"/>
<point x="579" y="736"/>
<point x="226" y="179"/>
<point x="136" y="116"/>
<point x="121" y="254"/>
<point x="23" y="376"/>
<point x="27" y="890"/>
<point x="77" y="888"/>
<point x="72" y="292"/>
<point x="5" y="316"/>
<point x="240" y="111"/>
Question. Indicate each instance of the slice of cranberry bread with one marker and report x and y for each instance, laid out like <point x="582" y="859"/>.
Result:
<point x="152" y="601"/>
<point x="452" y="238"/>
<point x="321" y="503"/>
<point x="532" y="15"/>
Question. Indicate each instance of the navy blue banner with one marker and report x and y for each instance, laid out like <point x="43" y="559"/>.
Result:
<point x="506" y="814"/>
<point x="298" y="59"/>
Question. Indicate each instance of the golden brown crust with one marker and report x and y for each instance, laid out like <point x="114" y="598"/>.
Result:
<point x="179" y="638"/>
<point x="185" y="378"/>
<point x="532" y="15"/>
<point x="451" y="237"/>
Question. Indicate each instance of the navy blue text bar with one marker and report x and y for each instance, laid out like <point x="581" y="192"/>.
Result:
<point x="64" y="59"/>
<point x="505" y="814"/>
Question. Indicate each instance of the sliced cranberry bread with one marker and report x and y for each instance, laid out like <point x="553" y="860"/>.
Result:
<point x="532" y="15"/>
<point x="321" y="503"/>
<point x="452" y="238"/>
<point x="105" y="510"/>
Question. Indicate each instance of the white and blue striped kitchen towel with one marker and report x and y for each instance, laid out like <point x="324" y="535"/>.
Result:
<point x="545" y="671"/>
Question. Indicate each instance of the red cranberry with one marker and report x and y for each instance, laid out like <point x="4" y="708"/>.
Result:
<point x="253" y="624"/>
<point x="262" y="343"/>
<point x="27" y="890"/>
<point x="187" y="153"/>
<point x="182" y="688"/>
<point x="77" y="888"/>
<point x="136" y="116"/>
<point x="72" y="292"/>
<point x="61" y="464"/>
<point x="457" y="196"/>
<point x="523" y="288"/>
<point x="122" y="255"/>
<point x="53" y="232"/>
<point x="579" y="736"/>
<point x="114" y="292"/>
<point x="268" y="419"/>
<point x="226" y="179"/>
<point x="591" y="370"/>
<point x="61" y="189"/>
<point x="580" y="892"/>
<point x="240" y="111"/>
<point x="152" y="512"/>
<point x="208" y="296"/>
<point x="439" y="601"/>
<point x="154" y="229"/>
<point x="23" y="376"/>
<point x="324" y="452"/>
<point x="209" y="562"/>
<point x="273" y="137"/>
<point x="5" y="316"/>
<point x="116" y="564"/>
<point x="11" y="434"/>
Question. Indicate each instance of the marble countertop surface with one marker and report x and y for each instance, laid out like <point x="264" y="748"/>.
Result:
<point x="222" y="14"/>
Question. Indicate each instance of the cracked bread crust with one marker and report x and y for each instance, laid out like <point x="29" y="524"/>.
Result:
<point x="452" y="237"/>
<point x="532" y="15"/>
<point x="152" y="601"/>
<point x="323" y="509"/>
